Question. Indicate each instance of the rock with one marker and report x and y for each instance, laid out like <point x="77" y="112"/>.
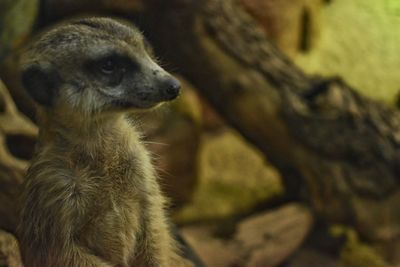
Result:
<point x="213" y="251"/>
<point x="265" y="239"/>
<point x="380" y="221"/>
<point x="356" y="253"/>
<point x="9" y="250"/>
<point x="234" y="178"/>
<point x="172" y="133"/>
<point x="272" y="237"/>
<point x="16" y="21"/>
<point x="360" y="255"/>
<point x="292" y="24"/>
<point x="308" y="257"/>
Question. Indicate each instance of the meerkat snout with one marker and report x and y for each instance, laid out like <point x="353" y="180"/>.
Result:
<point x="171" y="88"/>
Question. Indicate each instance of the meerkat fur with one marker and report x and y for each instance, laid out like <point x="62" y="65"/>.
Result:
<point x="91" y="197"/>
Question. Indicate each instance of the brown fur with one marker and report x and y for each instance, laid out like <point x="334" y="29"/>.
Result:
<point x="91" y="196"/>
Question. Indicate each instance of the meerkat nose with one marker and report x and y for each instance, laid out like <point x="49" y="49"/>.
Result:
<point x="172" y="88"/>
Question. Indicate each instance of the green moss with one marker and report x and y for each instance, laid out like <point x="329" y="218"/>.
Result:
<point x="355" y="253"/>
<point x="359" y="41"/>
<point x="234" y="178"/>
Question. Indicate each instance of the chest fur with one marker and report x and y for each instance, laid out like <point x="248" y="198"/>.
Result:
<point x="120" y="175"/>
<point x="118" y="165"/>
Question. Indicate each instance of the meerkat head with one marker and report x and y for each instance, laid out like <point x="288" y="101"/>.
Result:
<point x="95" y="65"/>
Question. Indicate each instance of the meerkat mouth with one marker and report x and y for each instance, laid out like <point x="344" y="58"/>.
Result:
<point x="126" y="104"/>
<point x="123" y="104"/>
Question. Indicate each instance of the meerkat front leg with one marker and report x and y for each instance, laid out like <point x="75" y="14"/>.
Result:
<point x="80" y="257"/>
<point x="164" y="248"/>
<point x="160" y="245"/>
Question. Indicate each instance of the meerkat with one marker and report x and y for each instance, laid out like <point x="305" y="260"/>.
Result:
<point x="91" y="197"/>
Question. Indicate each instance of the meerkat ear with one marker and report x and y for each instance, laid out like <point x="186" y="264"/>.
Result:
<point x="42" y="82"/>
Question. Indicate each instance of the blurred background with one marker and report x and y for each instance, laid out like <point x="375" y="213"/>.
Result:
<point x="284" y="147"/>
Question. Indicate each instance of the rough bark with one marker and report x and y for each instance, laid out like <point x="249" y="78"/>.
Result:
<point x="345" y="146"/>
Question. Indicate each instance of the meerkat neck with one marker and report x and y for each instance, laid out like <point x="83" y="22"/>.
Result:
<point x="90" y="133"/>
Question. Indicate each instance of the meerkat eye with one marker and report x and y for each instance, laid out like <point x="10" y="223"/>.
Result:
<point x="109" y="69"/>
<point x="108" y="66"/>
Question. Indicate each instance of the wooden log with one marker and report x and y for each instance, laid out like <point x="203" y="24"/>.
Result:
<point x="345" y="146"/>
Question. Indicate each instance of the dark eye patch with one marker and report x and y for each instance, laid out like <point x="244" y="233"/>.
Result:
<point x="110" y="68"/>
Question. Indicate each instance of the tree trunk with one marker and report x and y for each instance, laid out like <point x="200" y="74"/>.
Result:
<point x="345" y="146"/>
